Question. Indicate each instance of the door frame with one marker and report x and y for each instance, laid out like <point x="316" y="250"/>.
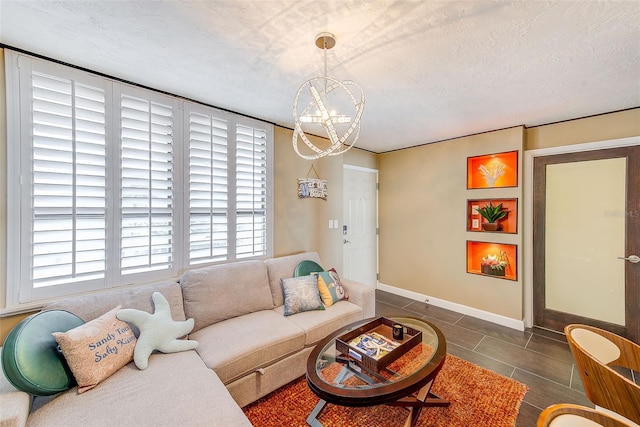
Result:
<point x="528" y="205"/>
<point x="376" y="173"/>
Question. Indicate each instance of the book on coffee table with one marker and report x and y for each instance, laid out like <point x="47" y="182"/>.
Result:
<point x="371" y="345"/>
<point x="374" y="344"/>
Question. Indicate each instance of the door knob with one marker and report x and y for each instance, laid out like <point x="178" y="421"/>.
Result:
<point x="631" y="258"/>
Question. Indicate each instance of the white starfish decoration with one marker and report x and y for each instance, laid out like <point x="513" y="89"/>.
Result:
<point x="158" y="331"/>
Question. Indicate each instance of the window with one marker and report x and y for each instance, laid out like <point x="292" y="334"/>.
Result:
<point x="208" y="187"/>
<point x="251" y="191"/>
<point x="68" y="186"/>
<point x="112" y="185"/>
<point x="147" y="179"/>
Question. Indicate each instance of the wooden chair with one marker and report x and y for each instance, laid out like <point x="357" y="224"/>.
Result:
<point x="595" y="352"/>
<point x="568" y="415"/>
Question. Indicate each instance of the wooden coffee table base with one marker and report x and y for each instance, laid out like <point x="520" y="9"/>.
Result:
<point x="416" y="402"/>
<point x="423" y="399"/>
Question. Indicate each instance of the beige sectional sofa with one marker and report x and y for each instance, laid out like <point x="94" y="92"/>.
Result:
<point x="247" y="348"/>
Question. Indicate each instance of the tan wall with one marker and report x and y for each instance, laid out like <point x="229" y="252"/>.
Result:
<point x="3" y="182"/>
<point x="361" y="158"/>
<point x="423" y="223"/>
<point x="293" y="221"/>
<point x="622" y="124"/>
<point x="303" y="224"/>
<point x="422" y="248"/>
<point x="5" y="323"/>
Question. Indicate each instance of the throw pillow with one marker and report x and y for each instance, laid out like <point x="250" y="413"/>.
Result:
<point x="31" y="359"/>
<point x="158" y="331"/>
<point x="97" y="349"/>
<point x="301" y="294"/>
<point x="330" y="287"/>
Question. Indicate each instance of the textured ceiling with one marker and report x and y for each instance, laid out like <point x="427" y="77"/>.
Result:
<point x="430" y="70"/>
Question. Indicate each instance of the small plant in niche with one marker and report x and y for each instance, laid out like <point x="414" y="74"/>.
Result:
<point x="494" y="265"/>
<point x="492" y="214"/>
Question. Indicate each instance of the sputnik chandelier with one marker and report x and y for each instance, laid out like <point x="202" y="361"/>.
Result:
<point x="320" y="98"/>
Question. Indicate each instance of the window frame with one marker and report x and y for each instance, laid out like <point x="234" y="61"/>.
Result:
<point x="20" y="292"/>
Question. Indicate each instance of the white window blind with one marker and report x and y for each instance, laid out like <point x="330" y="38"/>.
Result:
<point x="147" y="185"/>
<point x="110" y="184"/>
<point x="251" y="191"/>
<point x="208" y="192"/>
<point x="68" y="181"/>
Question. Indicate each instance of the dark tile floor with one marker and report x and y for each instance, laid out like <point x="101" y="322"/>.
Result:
<point x="540" y="359"/>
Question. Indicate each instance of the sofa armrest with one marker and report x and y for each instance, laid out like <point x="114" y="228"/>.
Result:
<point x="15" y="405"/>
<point x="15" y="409"/>
<point x="362" y="295"/>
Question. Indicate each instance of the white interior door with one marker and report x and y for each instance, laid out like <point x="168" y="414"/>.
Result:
<point x="360" y="240"/>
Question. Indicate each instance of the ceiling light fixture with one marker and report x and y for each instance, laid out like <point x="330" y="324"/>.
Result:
<point x="321" y="97"/>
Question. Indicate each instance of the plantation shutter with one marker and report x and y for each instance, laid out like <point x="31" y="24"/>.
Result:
<point x="112" y="185"/>
<point x="68" y="216"/>
<point x="147" y="185"/>
<point x="208" y="192"/>
<point x="251" y="191"/>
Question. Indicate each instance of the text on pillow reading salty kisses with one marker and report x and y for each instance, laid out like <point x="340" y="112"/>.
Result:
<point x="105" y="347"/>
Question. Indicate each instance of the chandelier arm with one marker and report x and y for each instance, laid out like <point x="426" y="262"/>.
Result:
<point x="298" y="126"/>
<point x="320" y="153"/>
<point x="327" y="124"/>
<point x="359" y="108"/>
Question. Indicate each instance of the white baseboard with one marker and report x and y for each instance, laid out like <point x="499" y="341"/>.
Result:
<point x="458" y="308"/>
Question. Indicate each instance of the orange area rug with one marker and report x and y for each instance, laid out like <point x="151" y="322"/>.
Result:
<point x="478" y="396"/>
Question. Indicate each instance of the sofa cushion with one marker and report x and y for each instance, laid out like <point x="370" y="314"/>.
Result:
<point x="220" y="292"/>
<point x="89" y="307"/>
<point x="283" y="268"/>
<point x="319" y="324"/>
<point x="240" y="345"/>
<point x="97" y="349"/>
<point x="176" y="389"/>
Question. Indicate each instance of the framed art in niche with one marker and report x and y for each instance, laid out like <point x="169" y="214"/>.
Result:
<point x="497" y="170"/>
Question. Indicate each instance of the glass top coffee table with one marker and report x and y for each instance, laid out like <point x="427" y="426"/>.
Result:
<point x="342" y="380"/>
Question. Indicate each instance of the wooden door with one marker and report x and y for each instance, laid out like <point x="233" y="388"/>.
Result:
<point x="586" y="221"/>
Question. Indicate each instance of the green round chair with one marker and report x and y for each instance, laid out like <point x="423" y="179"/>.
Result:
<point x="31" y="359"/>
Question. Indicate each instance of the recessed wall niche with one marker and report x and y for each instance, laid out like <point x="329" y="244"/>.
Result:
<point x="497" y="170"/>
<point x="497" y="260"/>
<point x="508" y="224"/>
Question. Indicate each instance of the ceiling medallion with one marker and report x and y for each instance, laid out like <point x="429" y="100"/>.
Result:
<point x="320" y="98"/>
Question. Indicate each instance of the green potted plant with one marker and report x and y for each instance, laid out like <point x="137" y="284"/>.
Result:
<point x="492" y="214"/>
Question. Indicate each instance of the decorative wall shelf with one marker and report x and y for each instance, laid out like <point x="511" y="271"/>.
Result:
<point x="508" y="225"/>
<point x="479" y="253"/>
<point x="497" y="170"/>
